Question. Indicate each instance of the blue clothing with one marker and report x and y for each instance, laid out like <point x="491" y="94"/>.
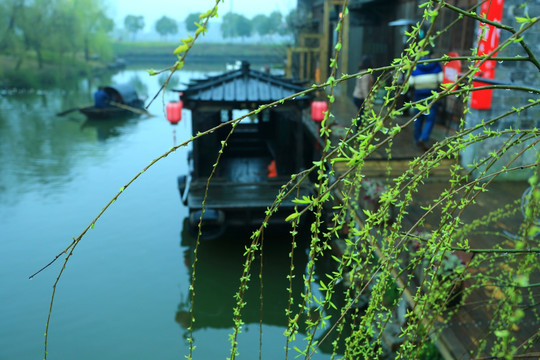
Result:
<point x="425" y="78"/>
<point x="423" y="125"/>
<point x="101" y="98"/>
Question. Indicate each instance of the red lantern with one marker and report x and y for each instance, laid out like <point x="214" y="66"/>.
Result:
<point x="318" y="108"/>
<point x="174" y="112"/>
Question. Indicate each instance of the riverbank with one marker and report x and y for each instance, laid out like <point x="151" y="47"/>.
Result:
<point x="28" y="74"/>
<point x="207" y="53"/>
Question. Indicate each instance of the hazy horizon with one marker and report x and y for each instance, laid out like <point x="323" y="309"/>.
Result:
<point x="119" y="9"/>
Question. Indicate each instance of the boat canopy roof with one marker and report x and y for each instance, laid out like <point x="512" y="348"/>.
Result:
<point x="243" y="89"/>
<point x="126" y="92"/>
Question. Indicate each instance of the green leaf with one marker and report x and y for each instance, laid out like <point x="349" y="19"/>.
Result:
<point x="304" y="200"/>
<point x="189" y="40"/>
<point x="200" y="29"/>
<point x="205" y="15"/>
<point x="292" y="216"/>
<point x="181" y="49"/>
<point x="522" y="280"/>
<point x="179" y="65"/>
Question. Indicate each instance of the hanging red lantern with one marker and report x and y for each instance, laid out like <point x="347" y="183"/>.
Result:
<point x="174" y="112"/>
<point x="318" y="109"/>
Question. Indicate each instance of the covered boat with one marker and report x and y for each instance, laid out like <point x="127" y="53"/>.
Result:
<point x="125" y="102"/>
<point x="260" y="155"/>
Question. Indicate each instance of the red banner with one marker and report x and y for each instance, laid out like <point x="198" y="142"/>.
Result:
<point x="451" y="69"/>
<point x="488" y="40"/>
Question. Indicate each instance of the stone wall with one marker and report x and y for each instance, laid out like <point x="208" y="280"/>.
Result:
<point x="515" y="73"/>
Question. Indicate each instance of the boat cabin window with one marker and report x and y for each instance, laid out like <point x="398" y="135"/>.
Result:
<point x="228" y="115"/>
<point x="255" y="142"/>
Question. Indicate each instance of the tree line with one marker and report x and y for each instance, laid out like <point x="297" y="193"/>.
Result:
<point x="53" y="30"/>
<point x="233" y="25"/>
<point x="61" y="32"/>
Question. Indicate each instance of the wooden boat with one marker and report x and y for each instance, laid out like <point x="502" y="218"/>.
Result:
<point x="260" y="156"/>
<point x="125" y="102"/>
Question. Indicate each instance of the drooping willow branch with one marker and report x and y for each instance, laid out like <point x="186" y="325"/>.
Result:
<point x="353" y="150"/>
<point x="532" y="58"/>
<point x="184" y="49"/>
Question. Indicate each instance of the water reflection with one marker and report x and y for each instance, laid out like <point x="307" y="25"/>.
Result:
<point x="219" y="268"/>
<point x="218" y="271"/>
<point x="57" y="173"/>
<point x="139" y="85"/>
<point x="174" y="81"/>
<point x="110" y="128"/>
<point x="37" y="147"/>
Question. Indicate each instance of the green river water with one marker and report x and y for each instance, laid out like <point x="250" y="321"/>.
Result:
<point x="125" y="291"/>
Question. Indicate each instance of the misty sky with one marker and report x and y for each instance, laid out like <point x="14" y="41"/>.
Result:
<point x="152" y="10"/>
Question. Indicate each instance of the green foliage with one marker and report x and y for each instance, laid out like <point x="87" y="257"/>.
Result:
<point x="134" y="24"/>
<point x="236" y="25"/>
<point x="388" y="260"/>
<point x="165" y="25"/>
<point x="268" y="25"/>
<point x="262" y="25"/>
<point x="62" y="33"/>
<point x="192" y="20"/>
<point x="293" y="23"/>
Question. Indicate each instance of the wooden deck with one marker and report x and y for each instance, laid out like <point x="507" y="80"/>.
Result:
<point x="240" y="183"/>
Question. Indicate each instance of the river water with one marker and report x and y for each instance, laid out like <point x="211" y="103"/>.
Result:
<point x="125" y="292"/>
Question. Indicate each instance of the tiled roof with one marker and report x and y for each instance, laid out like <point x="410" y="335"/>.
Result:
<point x="242" y="88"/>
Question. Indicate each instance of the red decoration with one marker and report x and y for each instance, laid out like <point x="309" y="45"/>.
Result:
<point x="451" y="69"/>
<point x="174" y="112"/>
<point x="272" y="170"/>
<point x="488" y="40"/>
<point x="318" y="109"/>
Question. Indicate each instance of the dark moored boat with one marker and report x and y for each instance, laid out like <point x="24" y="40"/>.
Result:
<point x="126" y="103"/>
<point x="261" y="154"/>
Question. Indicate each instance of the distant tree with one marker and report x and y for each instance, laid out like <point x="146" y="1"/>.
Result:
<point x="190" y="21"/>
<point x="276" y="22"/>
<point x="244" y="26"/>
<point x="227" y="26"/>
<point x="10" y="12"/>
<point x="71" y="28"/>
<point x="261" y="25"/>
<point x="93" y="25"/>
<point x="33" y="24"/>
<point x="134" y="24"/>
<point x="292" y="23"/>
<point x="235" y="25"/>
<point x="268" y="25"/>
<point x="165" y="25"/>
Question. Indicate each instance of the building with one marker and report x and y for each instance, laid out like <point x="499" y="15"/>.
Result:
<point x="378" y="28"/>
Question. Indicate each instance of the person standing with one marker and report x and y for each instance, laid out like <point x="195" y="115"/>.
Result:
<point x="425" y="78"/>
<point x="363" y="85"/>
